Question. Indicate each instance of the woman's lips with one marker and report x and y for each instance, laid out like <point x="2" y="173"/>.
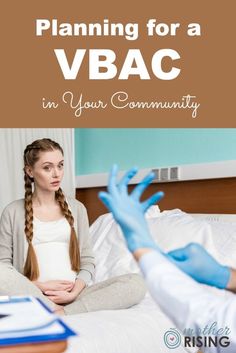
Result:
<point x="55" y="183"/>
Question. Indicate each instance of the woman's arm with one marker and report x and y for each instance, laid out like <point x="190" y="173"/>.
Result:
<point x="87" y="260"/>
<point x="6" y="237"/>
<point x="12" y="282"/>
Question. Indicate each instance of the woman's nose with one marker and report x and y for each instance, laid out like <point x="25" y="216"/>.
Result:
<point x="55" y="173"/>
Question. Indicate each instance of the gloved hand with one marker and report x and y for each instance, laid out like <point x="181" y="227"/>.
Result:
<point x="128" y="211"/>
<point x="200" y="265"/>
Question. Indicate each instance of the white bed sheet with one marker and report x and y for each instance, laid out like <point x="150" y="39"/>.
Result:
<point x="136" y="330"/>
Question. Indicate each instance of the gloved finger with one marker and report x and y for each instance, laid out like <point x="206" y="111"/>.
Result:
<point x="182" y="265"/>
<point x="106" y="199"/>
<point x="152" y="200"/>
<point x="180" y="254"/>
<point x="126" y="178"/>
<point x="195" y="249"/>
<point x="139" y="189"/>
<point x="112" y="188"/>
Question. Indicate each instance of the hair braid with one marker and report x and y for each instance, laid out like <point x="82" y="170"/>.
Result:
<point x="74" y="243"/>
<point x="31" y="269"/>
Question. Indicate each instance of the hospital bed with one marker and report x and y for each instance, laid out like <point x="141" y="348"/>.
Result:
<point x="201" y="211"/>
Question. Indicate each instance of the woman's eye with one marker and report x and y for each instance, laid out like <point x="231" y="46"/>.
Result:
<point x="61" y="166"/>
<point x="47" y="168"/>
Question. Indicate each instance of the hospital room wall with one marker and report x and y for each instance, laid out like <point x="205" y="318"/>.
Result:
<point x="97" y="149"/>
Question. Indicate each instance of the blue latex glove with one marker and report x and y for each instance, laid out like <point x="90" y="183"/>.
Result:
<point x="127" y="209"/>
<point x="200" y="265"/>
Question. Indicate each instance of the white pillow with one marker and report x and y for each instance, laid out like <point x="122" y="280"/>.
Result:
<point x="170" y="229"/>
<point x="174" y="229"/>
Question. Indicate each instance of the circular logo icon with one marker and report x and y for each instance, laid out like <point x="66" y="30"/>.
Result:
<point x="172" y="338"/>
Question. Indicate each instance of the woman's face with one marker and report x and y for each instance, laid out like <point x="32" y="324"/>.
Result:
<point x="48" y="171"/>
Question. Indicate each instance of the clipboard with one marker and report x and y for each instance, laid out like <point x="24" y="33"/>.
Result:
<point x="53" y="330"/>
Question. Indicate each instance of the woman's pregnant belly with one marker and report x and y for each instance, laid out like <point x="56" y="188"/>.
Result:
<point x="54" y="262"/>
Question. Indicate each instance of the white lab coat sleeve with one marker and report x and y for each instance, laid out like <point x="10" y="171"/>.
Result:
<point x="187" y="303"/>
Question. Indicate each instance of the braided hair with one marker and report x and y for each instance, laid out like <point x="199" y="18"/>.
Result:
<point x="31" y="156"/>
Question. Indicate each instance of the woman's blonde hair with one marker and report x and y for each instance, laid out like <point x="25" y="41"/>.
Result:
<point x="31" y="156"/>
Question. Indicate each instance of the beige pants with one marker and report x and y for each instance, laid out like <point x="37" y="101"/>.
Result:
<point x="116" y="293"/>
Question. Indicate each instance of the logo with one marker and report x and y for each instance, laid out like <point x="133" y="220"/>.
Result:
<point x="172" y="338"/>
<point x="208" y="336"/>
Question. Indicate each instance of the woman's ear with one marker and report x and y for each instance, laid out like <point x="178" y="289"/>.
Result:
<point x="28" y="171"/>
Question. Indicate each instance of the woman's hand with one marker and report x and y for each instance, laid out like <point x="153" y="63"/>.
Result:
<point x="65" y="297"/>
<point x="55" y="285"/>
<point x="60" y="296"/>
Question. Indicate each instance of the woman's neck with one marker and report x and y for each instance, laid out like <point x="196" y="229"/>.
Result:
<point x="41" y="198"/>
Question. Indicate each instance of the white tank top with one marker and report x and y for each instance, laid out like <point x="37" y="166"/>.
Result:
<point x="51" y="245"/>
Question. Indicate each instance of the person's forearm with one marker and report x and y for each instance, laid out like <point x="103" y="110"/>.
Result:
<point x="78" y="287"/>
<point x="232" y="281"/>
<point x="40" y="285"/>
<point x="140" y="252"/>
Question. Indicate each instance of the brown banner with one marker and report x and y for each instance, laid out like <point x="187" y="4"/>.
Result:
<point x="167" y="64"/>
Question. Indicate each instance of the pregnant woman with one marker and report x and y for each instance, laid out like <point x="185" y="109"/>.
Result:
<point x="44" y="243"/>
